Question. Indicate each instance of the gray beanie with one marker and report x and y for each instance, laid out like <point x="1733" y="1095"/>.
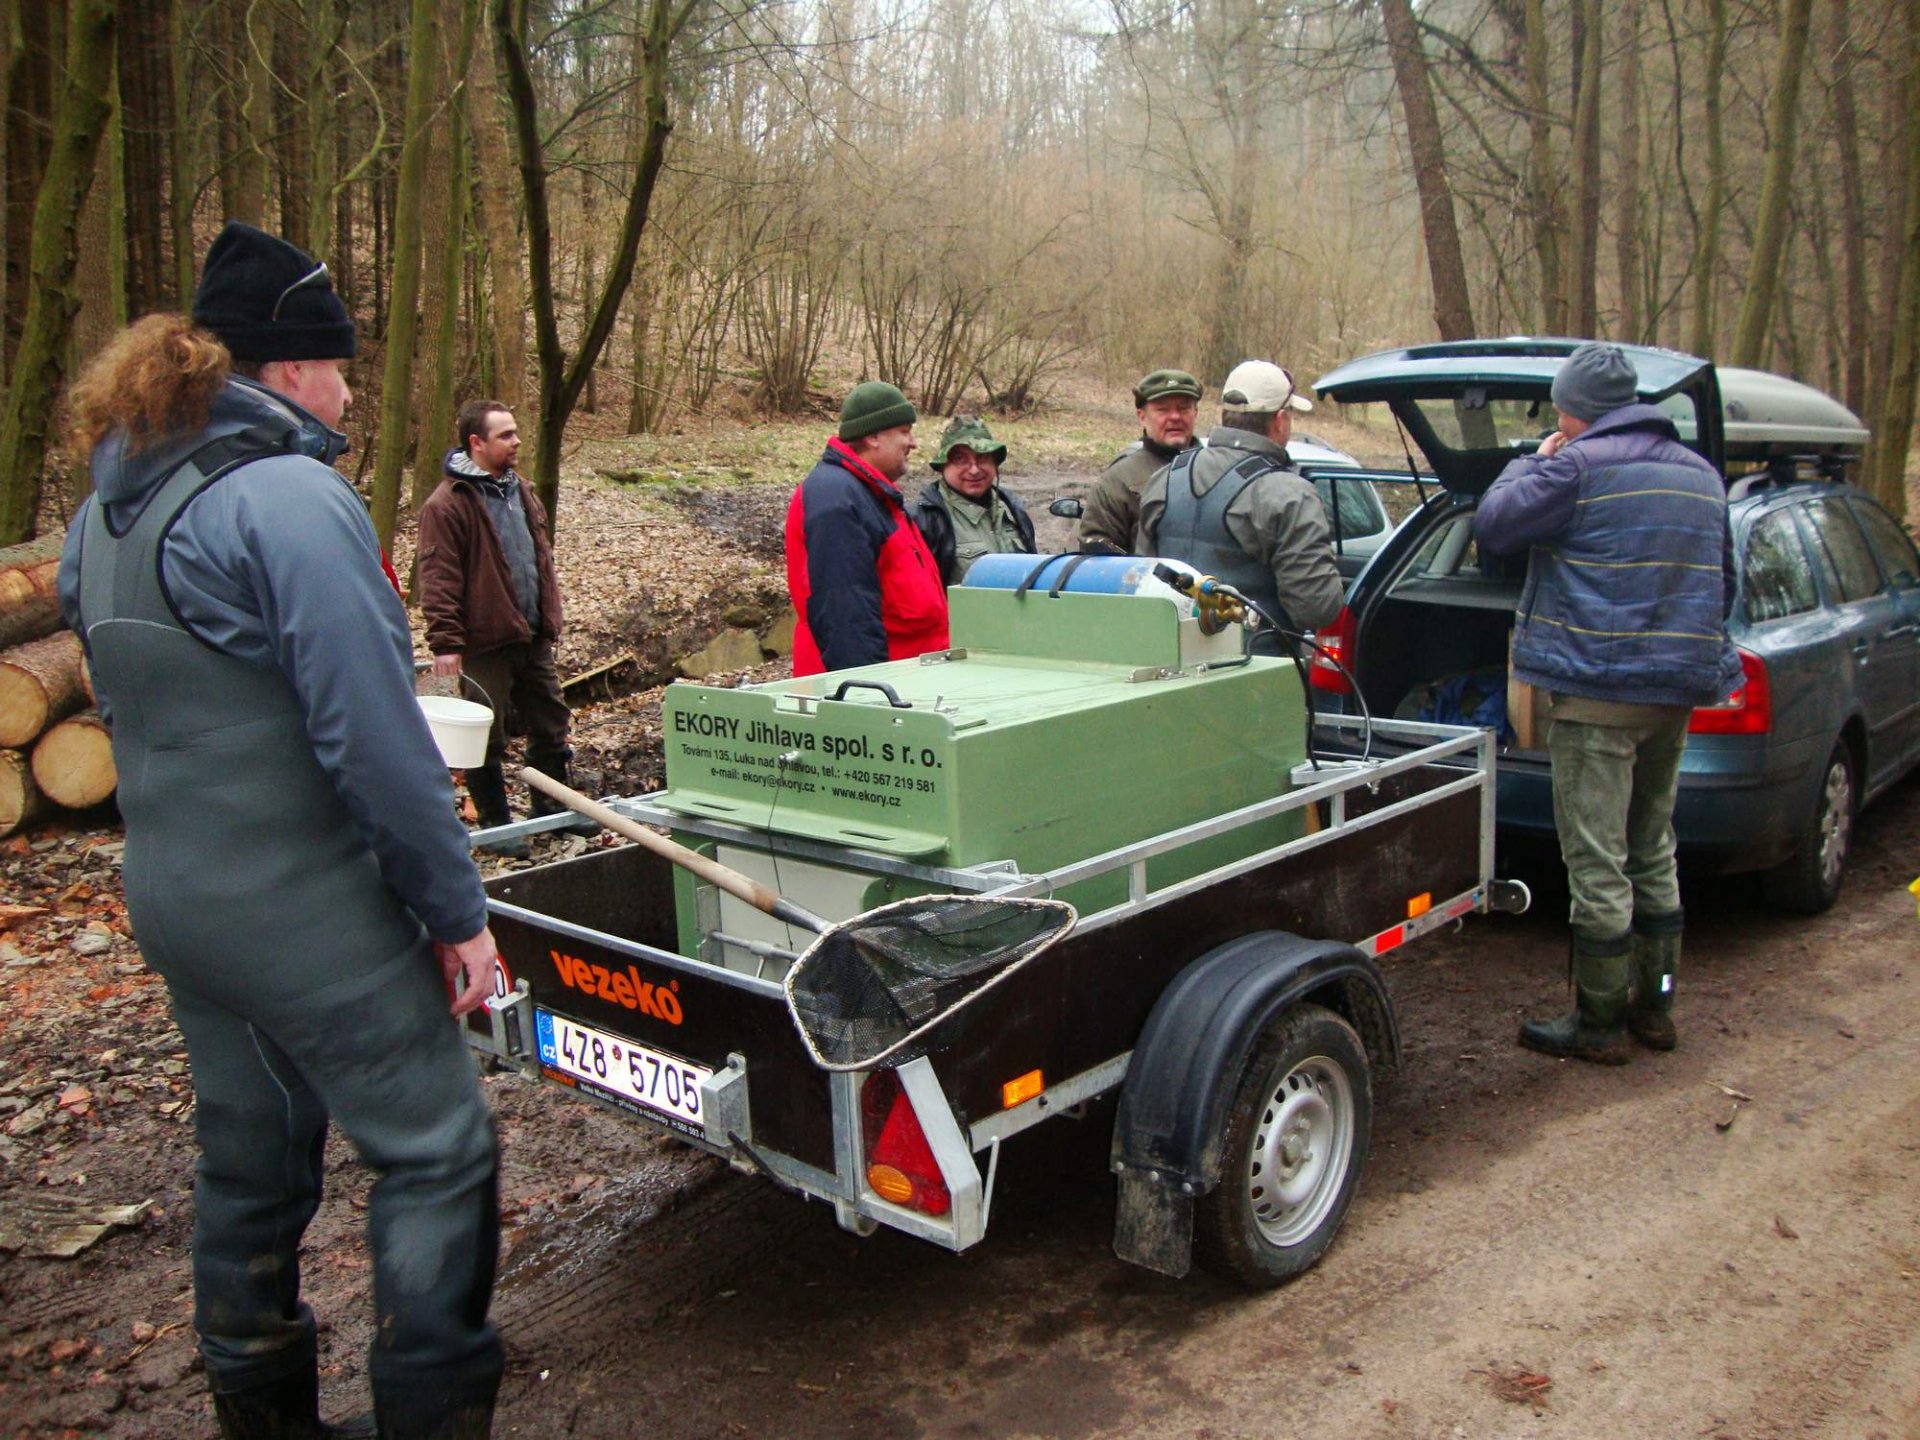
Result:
<point x="1594" y="380"/>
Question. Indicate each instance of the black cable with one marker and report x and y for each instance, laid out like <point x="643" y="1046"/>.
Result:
<point x="1186" y="585"/>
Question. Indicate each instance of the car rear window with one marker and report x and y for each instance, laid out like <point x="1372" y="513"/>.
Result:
<point x="1846" y="547"/>
<point x="1893" y="545"/>
<point x="1777" y="579"/>
<point x="1464" y="425"/>
<point x="1360" y="511"/>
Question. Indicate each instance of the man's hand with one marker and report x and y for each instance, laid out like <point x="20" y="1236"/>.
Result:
<point x="1548" y="447"/>
<point x="473" y="958"/>
<point x="446" y="665"/>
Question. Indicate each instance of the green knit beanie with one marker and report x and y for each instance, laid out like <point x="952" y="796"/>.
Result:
<point x="970" y="431"/>
<point x="874" y="406"/>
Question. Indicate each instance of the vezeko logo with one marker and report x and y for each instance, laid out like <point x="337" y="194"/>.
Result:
<point x="622" y="987"/>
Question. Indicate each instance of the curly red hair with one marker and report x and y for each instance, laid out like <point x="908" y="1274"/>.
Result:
<point x="155" y="378"/>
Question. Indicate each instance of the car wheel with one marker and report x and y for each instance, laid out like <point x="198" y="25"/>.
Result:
<point x="1297" y="1135"/>
<point x="1809" y="880"/>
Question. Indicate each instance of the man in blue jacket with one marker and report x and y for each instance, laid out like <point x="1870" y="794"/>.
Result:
<point x="1623" y="625"/>
<point x="294" y="868"/>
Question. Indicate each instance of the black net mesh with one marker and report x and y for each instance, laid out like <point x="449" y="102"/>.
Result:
<point x="866" y="989"/>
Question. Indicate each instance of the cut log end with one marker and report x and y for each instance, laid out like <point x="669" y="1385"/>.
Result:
<point x="20" y="798"/>
<point x="73" y="763"/>
<point x="40" y="683"/>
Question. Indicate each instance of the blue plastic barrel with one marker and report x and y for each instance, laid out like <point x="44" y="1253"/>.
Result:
<point x="1093" y="575"/>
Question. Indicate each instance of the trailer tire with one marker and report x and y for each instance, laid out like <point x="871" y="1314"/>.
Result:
<point x="1302" y="1114"/>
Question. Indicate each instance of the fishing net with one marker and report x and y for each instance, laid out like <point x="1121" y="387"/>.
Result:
<point x="865" y="990"/>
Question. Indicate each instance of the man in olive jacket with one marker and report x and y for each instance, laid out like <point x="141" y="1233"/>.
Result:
<point x="964" y="513"/>
<point x="1167" y="404"/>
<point x="491" y="602"/>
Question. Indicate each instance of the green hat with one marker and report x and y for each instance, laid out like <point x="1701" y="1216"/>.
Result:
<point x="1165" y="382"/>
<point x="971" y="432"/>
<point x="873" y="406"/>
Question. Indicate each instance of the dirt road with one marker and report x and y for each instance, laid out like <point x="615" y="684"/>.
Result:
<point x="1522" y="1220"/>
<point x="1538" y="1247"/>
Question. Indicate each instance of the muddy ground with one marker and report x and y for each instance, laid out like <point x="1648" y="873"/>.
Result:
<point x="1538" y="1248"/>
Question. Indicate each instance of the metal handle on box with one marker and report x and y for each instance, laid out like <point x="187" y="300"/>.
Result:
<point x="893" y="696"/>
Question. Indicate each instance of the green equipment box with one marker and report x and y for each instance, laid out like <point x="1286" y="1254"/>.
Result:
<point x="1058" y="727"/>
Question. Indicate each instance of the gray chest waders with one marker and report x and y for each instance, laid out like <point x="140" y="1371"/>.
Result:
<point x="240" y="850"/>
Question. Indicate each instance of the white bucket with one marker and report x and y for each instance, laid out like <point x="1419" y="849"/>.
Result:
<point x="459" y="728"/>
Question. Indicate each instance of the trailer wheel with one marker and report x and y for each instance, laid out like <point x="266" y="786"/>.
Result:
<point x="1296" y="1141"/>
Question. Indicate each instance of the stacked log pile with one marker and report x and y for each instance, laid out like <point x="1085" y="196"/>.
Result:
<point x="54" y="750"/>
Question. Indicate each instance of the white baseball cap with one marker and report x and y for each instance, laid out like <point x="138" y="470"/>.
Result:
<point x="1262" y="388"/>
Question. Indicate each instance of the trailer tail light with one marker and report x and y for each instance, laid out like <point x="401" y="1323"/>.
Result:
<point x="900" y="1164"/>
<point x="1747" y="711"/>
<point x="1336" y="649"/>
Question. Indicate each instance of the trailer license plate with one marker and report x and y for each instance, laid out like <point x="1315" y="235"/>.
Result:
<point x="645" y="1076"/>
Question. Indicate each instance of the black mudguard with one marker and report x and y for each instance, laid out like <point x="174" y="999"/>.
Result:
<point x="1168" y="1132"/>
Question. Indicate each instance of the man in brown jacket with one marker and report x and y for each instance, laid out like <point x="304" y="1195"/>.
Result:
<point x="491" y="602"/>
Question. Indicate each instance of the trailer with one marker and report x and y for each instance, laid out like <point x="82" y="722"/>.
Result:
<point x="1086" y="738"/>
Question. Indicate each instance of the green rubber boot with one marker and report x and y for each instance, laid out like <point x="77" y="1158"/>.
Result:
<point x="1656" y="961"/>
<point x="1595" y="1029"/>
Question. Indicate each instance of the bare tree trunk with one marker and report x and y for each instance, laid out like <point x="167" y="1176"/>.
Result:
<point x="1633" y="299"/>
<point x="53" y="299"/>
<point x="29" y="124"/>
<point x="562" y="378"/>
<point x="181" y="153"/>
<point x="1706" y="250"/>
<point x="1887" y="462"/>
<point x="396" y="395"/>
<point x="143" y="130"/>
<point x="1543" y="178"/>
<point x="293" y="166"/>
<point x="251" y="37"/>
<point x="1226" y="307"/>
<point x="1853" y="225"/>
<point x="1783" y="113"/>
<point x="1583" y="263"/>
<point x="444" y="248"/>
<point x="100" y="273"/>
<point x="1446" y="265"/>
<point x="499" y="215"/>
<point x="316" y="118"/>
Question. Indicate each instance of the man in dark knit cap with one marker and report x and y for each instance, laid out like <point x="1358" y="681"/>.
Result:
<point x="294" y="867"/>
<point x="491" y="601"/>
<point x="864" y="585"/>
<point x="1167" y="404"/>
<point x="1623" y="625"/>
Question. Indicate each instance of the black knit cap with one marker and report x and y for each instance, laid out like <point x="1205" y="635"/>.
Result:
<point x="268" y="300"/>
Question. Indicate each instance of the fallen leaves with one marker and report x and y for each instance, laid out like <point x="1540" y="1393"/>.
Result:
<point x="1517" y="1385"/>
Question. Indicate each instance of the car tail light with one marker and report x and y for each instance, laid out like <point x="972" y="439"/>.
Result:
<point x="1336" y="649"/>
<point x="900" y="1163"/>
<point x="1747" y="711"/>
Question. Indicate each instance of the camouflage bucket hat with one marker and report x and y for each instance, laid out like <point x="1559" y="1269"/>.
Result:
<point x="971" y="432"/>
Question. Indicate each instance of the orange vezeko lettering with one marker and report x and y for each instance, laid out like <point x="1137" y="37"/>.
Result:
<point x="622" y="987"/>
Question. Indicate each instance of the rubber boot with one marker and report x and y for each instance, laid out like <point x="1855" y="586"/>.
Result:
<point x="1656" y="961"/>
<point x="462" y="1410"/>
<point x="1595" y="1029"/>
<point x="555" y="762"/>
<point x="286" y="1409"/>
<point x="488" y="787"/>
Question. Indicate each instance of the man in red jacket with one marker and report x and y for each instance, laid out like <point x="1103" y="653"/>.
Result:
<point x="491" y="601"/>
<point x="864" y="584"/>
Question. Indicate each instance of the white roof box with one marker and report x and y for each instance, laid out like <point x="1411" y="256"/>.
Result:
<point x="1769" y="414"/>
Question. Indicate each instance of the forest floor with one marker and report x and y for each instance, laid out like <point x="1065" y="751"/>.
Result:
<point x="1720" y="1242"/>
